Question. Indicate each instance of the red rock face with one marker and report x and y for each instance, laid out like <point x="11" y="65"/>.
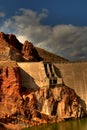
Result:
<point x="59" y="101"/>
<point x="22" y="51"/>
<point x="45" y="105"/>
<point x="68" y="103"/>
<point x="29" y="52"/>
<point x="10" y="85"/>
<point x="51" y="105"/>
<point x="10" y="39"/>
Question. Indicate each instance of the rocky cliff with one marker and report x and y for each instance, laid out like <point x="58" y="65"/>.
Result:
<point x="20" y="105"/>
<point x="29" y="52"/>
<point x="10" y="84"/>
<point x="29" y="107"/>
<point x="12" y="49"/>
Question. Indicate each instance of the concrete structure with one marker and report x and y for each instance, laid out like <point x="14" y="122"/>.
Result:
<point x="38" y="74"/>
<point x="44" y="74"/>
<point x="75" y="76"/>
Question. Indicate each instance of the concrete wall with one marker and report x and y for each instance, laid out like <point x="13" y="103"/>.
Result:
<point x="36" y="75"/>
<point x="33" y="74"/>
<point x="75" y="76"/>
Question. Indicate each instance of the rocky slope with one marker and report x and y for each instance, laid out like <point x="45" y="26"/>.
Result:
<point x="46" y="105"/>
<point x="50" y="57"/>
<point x="12" y="49"/>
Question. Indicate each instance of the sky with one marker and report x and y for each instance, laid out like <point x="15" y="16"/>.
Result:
<point x="59" y="26"/>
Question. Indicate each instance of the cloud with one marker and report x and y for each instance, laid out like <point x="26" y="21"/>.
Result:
<point x="66" y="40"/>
<point x="2" y="14"/>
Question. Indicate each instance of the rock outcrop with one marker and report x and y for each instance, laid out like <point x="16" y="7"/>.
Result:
<point x="46" y="105"/>
<point x="49" y="105"/>
<point x="29" y="52"/>
<point x="12" y="49"/>
<point x="2" y="127"/>
<point x="20" y="105"/>
<point x="10" y="40"/>
<point x="61" y="102"/>
<point x="10" y="84"/>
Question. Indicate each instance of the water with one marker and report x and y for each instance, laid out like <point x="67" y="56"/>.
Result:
<point x="80" y="124"/>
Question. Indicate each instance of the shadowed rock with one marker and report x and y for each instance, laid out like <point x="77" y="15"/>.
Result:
<point x="29" y="52"/>
<point x="12" y="49"/>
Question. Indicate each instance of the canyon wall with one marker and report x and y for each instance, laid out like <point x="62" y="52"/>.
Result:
<point x="10" y="85"/>
<point x="52" y="102"/>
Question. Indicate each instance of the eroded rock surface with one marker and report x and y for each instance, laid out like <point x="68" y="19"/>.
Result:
<point x="10" y="40"/>
<point x="49" y="105"/>
<point x="10" y="84"/>
<point x="10" y="45"/>
<point x="46" y="105"/>
<point x="29" y="52"/>
<point x="59" y="101"/>
<point x="12" y="49"/>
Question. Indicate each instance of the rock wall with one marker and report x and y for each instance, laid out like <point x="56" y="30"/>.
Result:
<point x="59" y="102"/>
<point x="12" y="49"/>
<point x="10" y="54"/>
<point x="10" y="84"/>
<point x="47" y="104"/>
<point x="75" y="76"/>
<point x="29" y="52"/>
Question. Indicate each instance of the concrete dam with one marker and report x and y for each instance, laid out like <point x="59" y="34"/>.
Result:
<point x="38" y="74"/>
<point x="43" y="74"/>
<point x="74" y="75"/>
